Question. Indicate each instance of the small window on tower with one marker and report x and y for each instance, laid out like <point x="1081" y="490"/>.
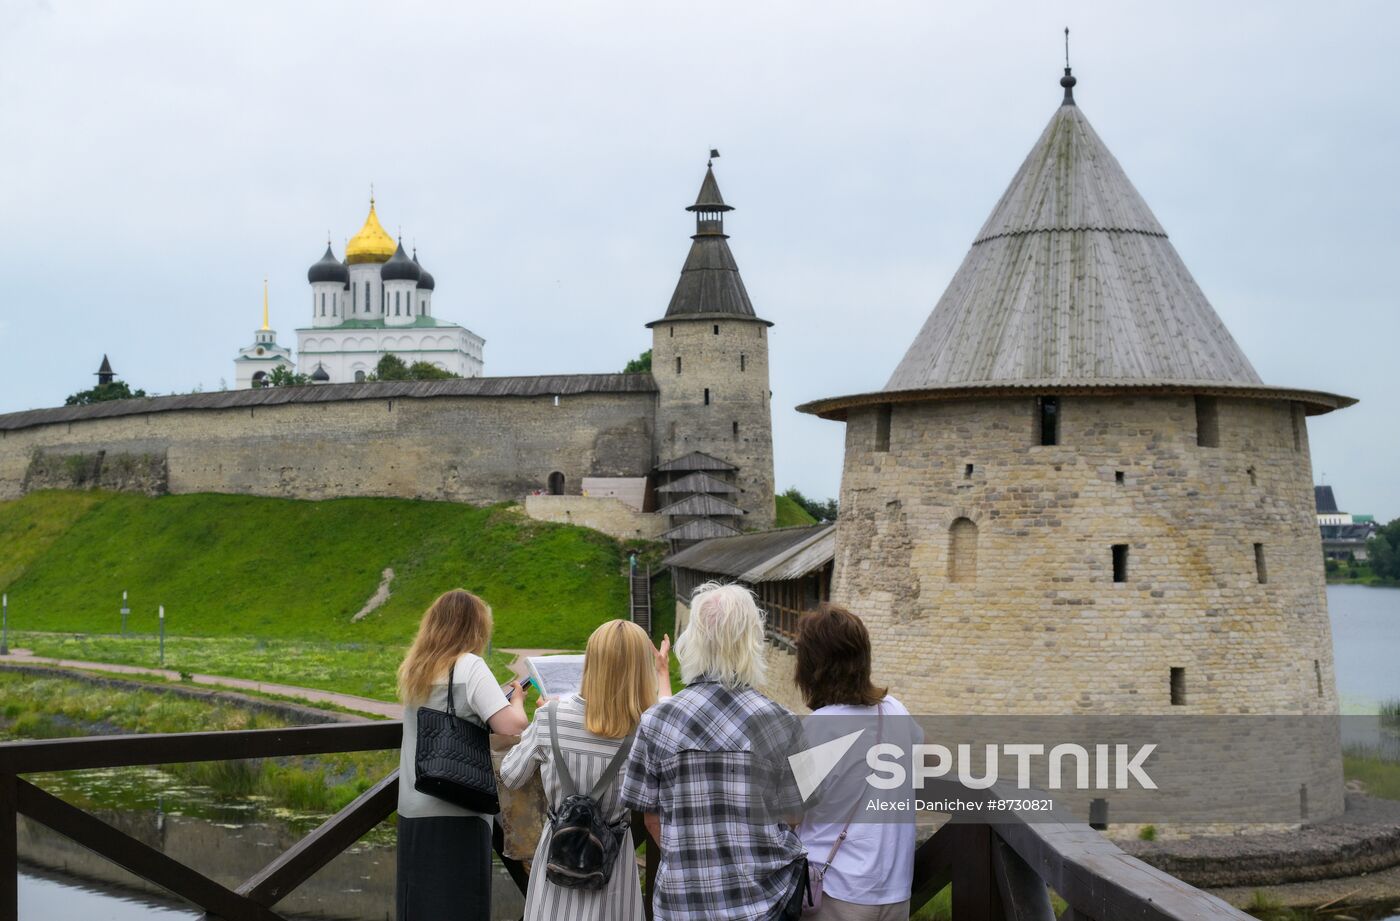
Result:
<point x="1261" y="571"/>
<point x="707" y="396"/>
<point x="1298" y="425"/>
<point x="1207" y="422"/>
<point x="882" y="427"/>
<point x="1119" y="477"/>
<point x="672" y="331"/>
<point x="1120" y="562"/>
<point x="716" y="329"/>
<point x="1178" y="686"/>
<point x="1253" y="476"/>
<point x="678" y="364"/>
<point x="1047" y="420"/>
<point x="743" y="361"/>
<point x="736" y="429"/>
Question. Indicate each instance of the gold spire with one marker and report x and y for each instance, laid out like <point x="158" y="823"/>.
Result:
<point x="371" y="244"/>
<point x="264" y="303"/>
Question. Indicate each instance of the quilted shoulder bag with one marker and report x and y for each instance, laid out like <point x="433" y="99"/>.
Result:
<point x="453" y="758"/>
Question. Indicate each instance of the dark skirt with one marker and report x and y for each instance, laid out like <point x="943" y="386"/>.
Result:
<point x="444" y="869"/>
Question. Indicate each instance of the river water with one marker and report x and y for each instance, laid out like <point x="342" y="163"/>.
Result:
<point x="230" y="840"/>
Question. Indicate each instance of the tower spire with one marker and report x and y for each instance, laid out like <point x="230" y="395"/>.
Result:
<point x="264" y="326"/>
<point x="1068" y="81"/>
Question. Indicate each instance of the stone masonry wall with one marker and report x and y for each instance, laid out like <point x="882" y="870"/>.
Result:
<point x="1041" y="627"/>
<point x="733" y="365"/>
<point x="611" y="516"/>
<point x="466" y="449"/>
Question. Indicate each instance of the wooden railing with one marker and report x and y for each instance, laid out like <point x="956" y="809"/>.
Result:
<point x="1002" y="870"/>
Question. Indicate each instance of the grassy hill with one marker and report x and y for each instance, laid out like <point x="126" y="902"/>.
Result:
<point x="289" y="572"/>
<point x="789" y="513"/>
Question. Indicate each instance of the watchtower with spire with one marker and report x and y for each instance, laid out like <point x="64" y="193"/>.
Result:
<point x="255" y="362"/>
<point x="710" y="362"/>
<point x="1075" y="495"/>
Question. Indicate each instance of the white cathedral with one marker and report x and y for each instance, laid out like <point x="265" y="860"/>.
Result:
<point x="378" y="301"/>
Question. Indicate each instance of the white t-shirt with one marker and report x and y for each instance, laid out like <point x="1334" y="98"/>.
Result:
<point x="875" y="865"/>
<point x="476" y="696"/>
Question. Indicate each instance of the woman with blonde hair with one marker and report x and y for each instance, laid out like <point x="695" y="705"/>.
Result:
<point x="444" y="852"/>
<point x="622" y="675"/>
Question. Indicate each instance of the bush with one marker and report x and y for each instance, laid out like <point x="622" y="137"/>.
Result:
<point x="1332" y="566"/>
<point x="1147" y="833"/>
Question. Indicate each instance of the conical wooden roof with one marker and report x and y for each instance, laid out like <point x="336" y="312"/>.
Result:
<point x="1072" y="284"/>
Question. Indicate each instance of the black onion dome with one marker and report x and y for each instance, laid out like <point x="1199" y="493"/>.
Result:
<point x="400" y="267"/>
<point x="425" y="278"/>
<point x="319" y="375"/>
<point x="328" y="268"/>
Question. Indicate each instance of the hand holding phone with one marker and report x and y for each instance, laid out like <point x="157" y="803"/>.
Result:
<point x="509" y="689"/>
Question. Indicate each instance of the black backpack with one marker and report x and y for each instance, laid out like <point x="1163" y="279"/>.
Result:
<point x="583" y="847"/>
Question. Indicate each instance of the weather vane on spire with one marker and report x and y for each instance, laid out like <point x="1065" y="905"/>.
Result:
<point x="1067" y="47"/>
<point x="714" y="154"/>
<point x="371" y="193"/>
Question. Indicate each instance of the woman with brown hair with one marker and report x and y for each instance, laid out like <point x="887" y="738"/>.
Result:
<point x="444" y="853"/>
<point x="866" y="868"/>
<point x="590" y="732"/>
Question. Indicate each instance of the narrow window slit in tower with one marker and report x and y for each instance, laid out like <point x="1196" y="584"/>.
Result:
<point x="1253" y="477"/>
<point x="882" y="427"/>
<point x="1297" y="427"/>
<point x="1047" y="420"/>
<point x="1260" y="569"/>
<point x="1178" y="686"/>
<point x="678" y="364"/>
<point x="1207" y="422"/>
<point x="1120" y="562"/>
<point x="967" y="472"/>
<point x="1118" y="477"/>
<point x="672" y="331"/>
<point x="716" y="329"/>
<point x="736" y="429"/>
<point x="743" y="361"/>
<point x="556" y="399"/>
<point x="1317" y="671"/>
<point x="707" y="396"/>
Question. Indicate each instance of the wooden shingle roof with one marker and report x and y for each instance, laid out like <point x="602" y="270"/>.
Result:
<point x="695" y="460"/>
<point x="1072" y="284"/>
<point x="698" y="482"/>
<point x="702" y="505"/>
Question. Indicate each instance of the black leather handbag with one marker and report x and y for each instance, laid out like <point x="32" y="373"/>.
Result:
<point x="453" y="758"/>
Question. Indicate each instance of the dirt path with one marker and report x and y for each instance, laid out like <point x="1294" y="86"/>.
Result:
<point x="348" y="701"/>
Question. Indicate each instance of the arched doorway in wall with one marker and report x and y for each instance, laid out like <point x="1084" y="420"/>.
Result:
<point x="259" y="378"/>
<point x="556" y="483"/>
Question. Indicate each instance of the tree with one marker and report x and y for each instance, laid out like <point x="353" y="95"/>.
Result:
<point x="818" y="509"/>
<point x="1384" y="551"/>
<point x="393" y="368"/>
<point x="283" y="376"/>
<point x="116" y="390"/>
<point x="639" y="364"/>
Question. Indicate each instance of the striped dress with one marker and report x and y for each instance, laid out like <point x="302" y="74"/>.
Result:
<point x="587" y="755"/>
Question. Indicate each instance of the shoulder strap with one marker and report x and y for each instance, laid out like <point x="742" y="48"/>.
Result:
<point x="610" y="772"/>
<point x="841" y="838"/>
<point x="450" y="669"/>
<point x="566" y="779"/>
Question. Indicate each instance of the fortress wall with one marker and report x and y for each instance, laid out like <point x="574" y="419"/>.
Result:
<point x="611" y="516"/>
<point x="457" y="448"/>
<point x="1042" y="627"/>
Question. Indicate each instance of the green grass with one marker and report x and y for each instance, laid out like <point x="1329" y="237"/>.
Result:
<point x="241" y="566"/>
<point x="788" y="513"/>
<point x="1380" y="778"/>
<point x="39" y="707"/>
<point x="364" y="669"/>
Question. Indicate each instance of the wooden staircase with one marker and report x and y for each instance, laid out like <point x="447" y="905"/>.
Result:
<point x="641" y="598"/>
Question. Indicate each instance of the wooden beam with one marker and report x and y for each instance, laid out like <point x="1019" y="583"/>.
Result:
<point x="9" y="852"/>
<point x="1023" y="893"/>
<point x="137" y="856"/>
<point x="974" y="882"/>
<point x="933" y="866"/>
<point x="181" y="747"/>
<point x="273" y="882"/>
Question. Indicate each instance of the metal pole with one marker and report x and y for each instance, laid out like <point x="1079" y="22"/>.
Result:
<point x="5" y="624"/>
<point x="125" y="611"/>
<point x="162" y="635"/>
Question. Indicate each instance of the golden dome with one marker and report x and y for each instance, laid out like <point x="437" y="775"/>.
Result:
<point x="371" y="244"/>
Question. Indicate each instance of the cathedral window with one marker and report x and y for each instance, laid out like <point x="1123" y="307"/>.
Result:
<point x="962" y="551"/>
<point x="366" y="297"/>
<point x="359" y="377"/>
<point x="323" y="303"/>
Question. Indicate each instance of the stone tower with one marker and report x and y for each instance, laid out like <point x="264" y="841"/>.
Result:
<point x="710" y="362"/>
<point x="1075" y="495"/>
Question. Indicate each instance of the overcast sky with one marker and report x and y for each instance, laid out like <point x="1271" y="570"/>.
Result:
<point x="160" y="158"/>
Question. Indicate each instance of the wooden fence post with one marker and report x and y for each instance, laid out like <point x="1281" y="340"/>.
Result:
<point x="9" y="852"/>
<point x="975" y="896"/>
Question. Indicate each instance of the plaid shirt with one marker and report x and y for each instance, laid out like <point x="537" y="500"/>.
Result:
<point x="712" y="762"/>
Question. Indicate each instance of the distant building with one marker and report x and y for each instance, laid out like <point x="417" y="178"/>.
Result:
<point x="255" y="362"/>
<point x="1344" y="535"/>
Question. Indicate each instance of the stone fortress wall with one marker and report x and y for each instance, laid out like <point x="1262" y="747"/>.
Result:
<point x="465" y="448"/>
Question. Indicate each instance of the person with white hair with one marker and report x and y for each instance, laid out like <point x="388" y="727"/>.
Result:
<point x="708" y="772"/>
